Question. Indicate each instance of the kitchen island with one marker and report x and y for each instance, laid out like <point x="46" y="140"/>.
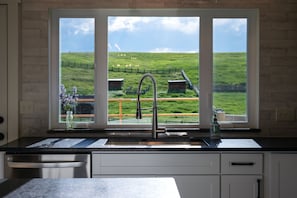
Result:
<point x="95" y="187"/>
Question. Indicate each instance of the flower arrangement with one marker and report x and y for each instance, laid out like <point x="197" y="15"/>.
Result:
<point x="68" y="101"/>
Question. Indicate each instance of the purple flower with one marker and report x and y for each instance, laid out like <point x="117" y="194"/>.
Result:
<point x="68" y="101"/>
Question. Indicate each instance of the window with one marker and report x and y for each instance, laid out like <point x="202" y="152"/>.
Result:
<point x="204" y="62"/>
<point x="168" y="48"/>
<point x="230" y="69"/>
<point x="77" y="65"/>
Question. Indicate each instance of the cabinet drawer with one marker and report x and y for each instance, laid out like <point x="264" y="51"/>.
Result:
<point x="165" y="164"/>
<point x="241" y="163"/>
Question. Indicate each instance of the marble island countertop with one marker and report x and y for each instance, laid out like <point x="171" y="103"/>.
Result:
<point x="92" y="187"/>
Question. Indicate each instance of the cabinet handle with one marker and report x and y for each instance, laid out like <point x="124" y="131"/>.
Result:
<point x="1" y="119"/>
<point x="51" y="164"/>
<point x="2" y="136"/>
<point x="242" y="163"/>
<point x="259" y="188"/>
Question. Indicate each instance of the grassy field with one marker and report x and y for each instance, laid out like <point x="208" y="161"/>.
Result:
<point x="230" y="69"/>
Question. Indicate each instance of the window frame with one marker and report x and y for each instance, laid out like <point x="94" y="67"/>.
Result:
<point x="205" y="59"/>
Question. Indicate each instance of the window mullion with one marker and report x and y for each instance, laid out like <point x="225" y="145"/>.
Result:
<point x="253" y="71"/>
<point x="54" y="69"/>
<point x="206" y="61"/>
<point x="101" y="71"/>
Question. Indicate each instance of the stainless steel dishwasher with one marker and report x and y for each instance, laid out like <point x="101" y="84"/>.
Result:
<point x="47" y="166"/>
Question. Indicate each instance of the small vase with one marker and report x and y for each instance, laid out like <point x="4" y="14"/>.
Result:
<point x="69" y="120"/>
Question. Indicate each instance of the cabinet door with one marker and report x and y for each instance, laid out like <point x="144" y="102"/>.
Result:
<point x="138" y="163"/>
<point x="283" y="175"/>
<point x="198" y="186"/>
<point x="189" y="186"/>
<point x="244" y="186"/>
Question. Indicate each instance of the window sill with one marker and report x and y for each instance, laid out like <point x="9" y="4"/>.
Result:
<point x="131" y="131"/>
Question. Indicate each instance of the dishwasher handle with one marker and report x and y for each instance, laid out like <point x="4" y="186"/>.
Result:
<point x="51" y="164"/>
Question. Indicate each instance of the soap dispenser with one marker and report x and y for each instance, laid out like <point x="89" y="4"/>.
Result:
<point x="215" y="128"/>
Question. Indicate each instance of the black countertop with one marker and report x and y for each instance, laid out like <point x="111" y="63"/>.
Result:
<point x="92" y="187"/>
<point x="225" y="144"/>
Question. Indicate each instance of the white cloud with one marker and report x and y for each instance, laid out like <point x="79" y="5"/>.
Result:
<point x="78" y="26"/>
<point x="86" y="26"/>
<point x="165" y="50"/>
<point x="126" y="23"/>
<point x="235" y="25"/>
<point x="185" y="25"/>
<point x="161" y="50"/>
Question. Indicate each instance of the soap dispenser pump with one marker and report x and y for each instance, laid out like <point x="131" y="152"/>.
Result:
<point x="215" y="128"/>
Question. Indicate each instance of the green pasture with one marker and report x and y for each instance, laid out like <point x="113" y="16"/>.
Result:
<point x="230" y="69"/>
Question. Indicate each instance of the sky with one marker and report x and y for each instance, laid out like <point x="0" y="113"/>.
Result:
<point x="152" y="34"/>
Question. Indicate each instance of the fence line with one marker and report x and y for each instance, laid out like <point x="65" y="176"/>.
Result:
<point x="121" y="69"/>
<point x="121" y="115"/>
<point x="141" y="99"/>
<point x="143" y="71"/>
<point x="77" y="64"/>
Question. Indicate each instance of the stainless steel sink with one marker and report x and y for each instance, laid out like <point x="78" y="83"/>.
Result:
<point x="157" y="143"/>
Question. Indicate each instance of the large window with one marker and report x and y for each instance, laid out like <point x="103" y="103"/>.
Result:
<point x="204" y="62"/>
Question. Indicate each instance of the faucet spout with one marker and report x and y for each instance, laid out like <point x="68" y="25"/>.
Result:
<point x="154" y="108"/>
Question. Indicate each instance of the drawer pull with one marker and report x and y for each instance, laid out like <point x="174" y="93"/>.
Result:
<point x="242" y="163"/>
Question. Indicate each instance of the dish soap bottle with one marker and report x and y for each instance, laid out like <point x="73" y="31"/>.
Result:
<point x="215" y="128"/>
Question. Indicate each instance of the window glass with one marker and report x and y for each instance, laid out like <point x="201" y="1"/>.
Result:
<point x="166" y="47"/>
<point x="230" y="69"/>
<point x="76" y="60"/>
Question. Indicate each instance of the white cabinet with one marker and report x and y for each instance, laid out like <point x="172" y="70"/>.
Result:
<point x="243" y="186"/>
<point x="121" y="163"/>
<point x="241" y="175"/>
<point x="196" y="174"/>
<point x="283" y="176"/>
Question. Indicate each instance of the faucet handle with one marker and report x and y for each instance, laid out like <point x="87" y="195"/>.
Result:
<point x="161" y="130"/>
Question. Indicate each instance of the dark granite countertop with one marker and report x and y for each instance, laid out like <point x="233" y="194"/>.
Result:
<point x="92" y="187"/>
<point x="225" y="144"/>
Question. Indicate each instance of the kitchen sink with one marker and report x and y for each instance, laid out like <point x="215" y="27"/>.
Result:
<point x="157" y="143"/>
<point x="121" y="142"/>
